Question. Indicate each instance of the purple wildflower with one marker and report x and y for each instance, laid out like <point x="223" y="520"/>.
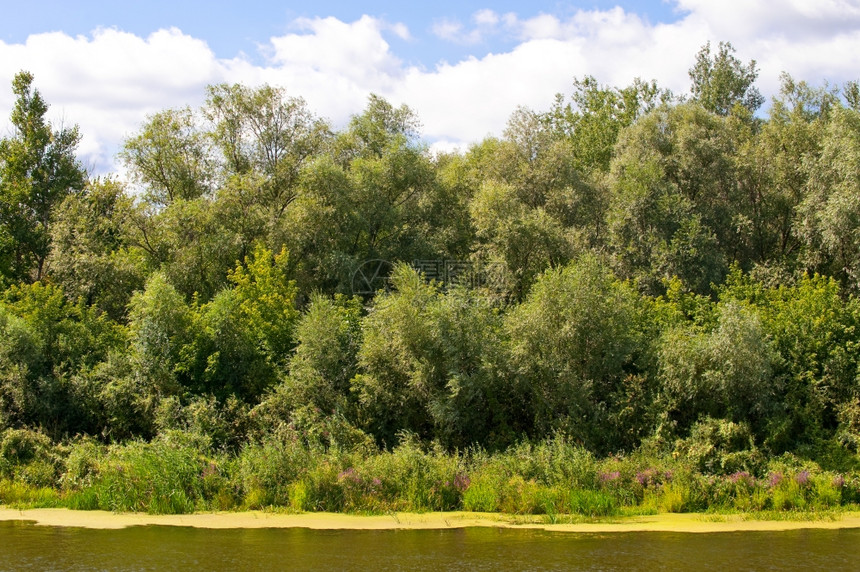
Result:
<point x="647" y="477"/>
<point x="609" y="477"/>
<point x="838" y="481"/>
<point x="462" y="482"/>
<point x="209" y="470"/>
<point x="775" y="479"/>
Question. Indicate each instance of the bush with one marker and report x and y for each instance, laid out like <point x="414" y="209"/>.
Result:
<point x="161" y="477"/>
<point x="267" y="469"/>
<point x="30" y="457"/>
<point x="721" y="447"/>
<point x="483" y="494"/>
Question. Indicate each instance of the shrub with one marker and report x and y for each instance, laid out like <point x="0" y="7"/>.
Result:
<point x="483" y="494"/>
<point x="159" y="478"/>
<point x="30" y="457"/>
<point x="266" y="469"/>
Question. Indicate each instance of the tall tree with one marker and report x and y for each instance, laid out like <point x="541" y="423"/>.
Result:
<point x="169" y="157"/>
<point x="830" y="212"/>
<point x="91" y="255"/>
<point x="595" y="115"/>
<point x="721" y="81"/>
<point x="266" y="136"/>
<point x="38" y="169"/>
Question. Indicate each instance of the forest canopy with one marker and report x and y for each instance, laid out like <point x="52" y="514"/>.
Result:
<point x="628" y="266"/>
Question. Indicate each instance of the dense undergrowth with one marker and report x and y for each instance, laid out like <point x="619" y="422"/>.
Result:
<point x="631" y="302"/>
<point x="178" y="473"/>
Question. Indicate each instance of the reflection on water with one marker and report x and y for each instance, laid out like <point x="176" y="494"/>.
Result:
<point x="24" y="546"/>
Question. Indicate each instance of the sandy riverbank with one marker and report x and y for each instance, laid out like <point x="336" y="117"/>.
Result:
<point x="693" y="523"/>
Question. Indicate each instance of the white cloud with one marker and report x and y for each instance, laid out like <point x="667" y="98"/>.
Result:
<point x="109" y="81"/>
<point x="486" y="24"/>
<point x="486" y="18"/>
<point x="447" y="29"/>
<point x="795" y="20"/>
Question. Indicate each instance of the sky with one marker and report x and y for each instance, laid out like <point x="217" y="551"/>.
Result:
<point x="462" y="66"/>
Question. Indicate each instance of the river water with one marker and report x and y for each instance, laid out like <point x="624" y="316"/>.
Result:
<point x="25" y="546"/>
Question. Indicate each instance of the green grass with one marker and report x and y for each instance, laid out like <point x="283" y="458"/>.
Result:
<point x="22" y="495"/>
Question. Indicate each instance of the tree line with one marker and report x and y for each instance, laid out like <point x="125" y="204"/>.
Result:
<point x="668" y="267"/>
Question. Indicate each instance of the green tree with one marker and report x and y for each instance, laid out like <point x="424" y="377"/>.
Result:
<point x="46" y="343"/>
<point x="596" y="114"/>
<point x="812" y="328"/>
<point x="576" y="343"/>
<point x="773" y="171"/>
<point x="726" y="372"/>
<point x="325" y="360"/>
<point x="190" y="242"/>
<point x="525" y="241"/>
<point x="721" y="81"/>
<point x="830" y="212"/>
<point x="38" y="169"/>
<point x="316" y="395"/>
<point x="429" y="365"/>
<point x="169" y="157"/>
<point x="160" y="327"/>
<point x="672" y="199"/>
<point x="239" y="342"/>
<point x="264" y="134"/>
<point x="531" y="208"/>
<point x="364" y="201"/>
<point x="91" y="255"/>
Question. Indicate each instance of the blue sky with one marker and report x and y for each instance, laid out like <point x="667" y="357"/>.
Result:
<point x="463" y="66"/>
<point x="239" y="27"/>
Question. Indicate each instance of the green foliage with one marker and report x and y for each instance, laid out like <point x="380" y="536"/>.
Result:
<point x="29" y="458"/>
<point x="429" y="363"/>
<point x="721" y="81"/>
<point x="574" y="341"/>
<point x="648" y="340"/>
<point x="266" y="299"/>
<point x="91" y="256"/>
<point x="672" y="199"/>
<point x="159" y="326"/>
<point x="49" y="346"/>
<point x="324" y="363"/>
<point x="190" y="243"/>
<point x="812" y="329"/>
<point x="592" y="503"/>
<point x="723" y="372"/>
<point x="719" y="446"/>
<point x="169" y="157"/>
<point x="830" y="212"/>
<point x="244" y="334"/>
<point x="266" y="470"/>
<point x="265" y="139"/>
<point x="596" y="114"/>
<point x="38" y="169"/>
<point x="162" y="477"/>
<point x="222" y="426"/>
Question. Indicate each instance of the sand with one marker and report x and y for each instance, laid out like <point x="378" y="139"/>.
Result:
<point x="689" y="523"/>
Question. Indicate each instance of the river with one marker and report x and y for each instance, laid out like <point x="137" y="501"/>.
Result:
<point x="25" y="546"/>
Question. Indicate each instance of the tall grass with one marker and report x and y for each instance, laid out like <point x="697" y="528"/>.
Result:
<point x="180" y="473"/>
